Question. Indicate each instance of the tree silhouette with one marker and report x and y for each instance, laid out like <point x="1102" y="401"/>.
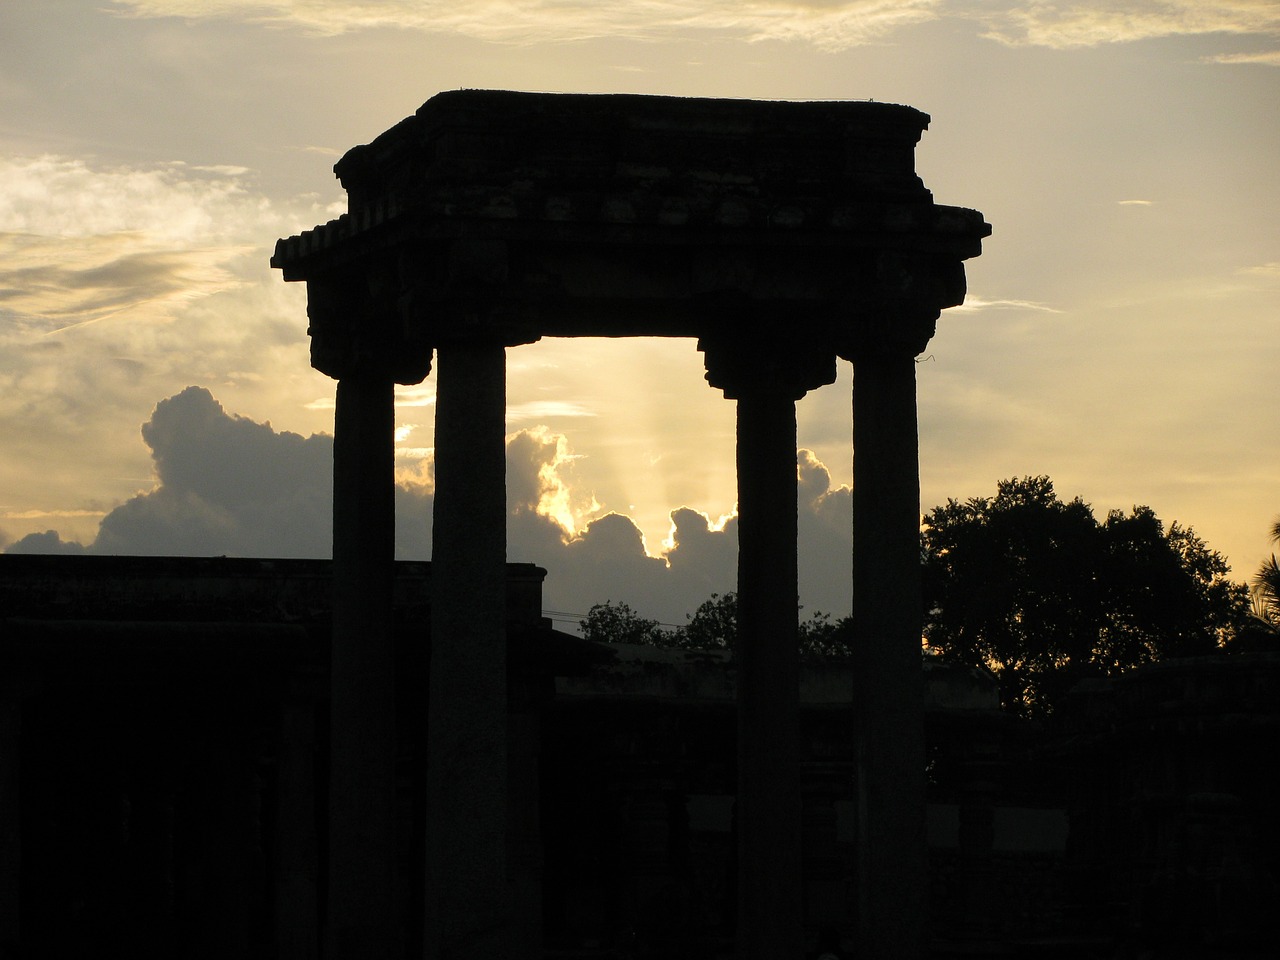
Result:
<point x="1036" y="590"/>
<point x="713" y="626"/>
<point x="1266" y="585"/>
<point x="611" y="622"/>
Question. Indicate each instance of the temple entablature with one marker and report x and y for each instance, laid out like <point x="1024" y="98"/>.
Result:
<point x="528" y="215"/>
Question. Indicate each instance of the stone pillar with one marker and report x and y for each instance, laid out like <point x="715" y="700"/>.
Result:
<point x="770" y="922"/>
<point x="362" y="918"/>
<point x="826" y="888"/>
<point x="767" y="378"/>
<point x="524" y="844"/>
<point x="468" y="896"/>
<point x="296" y="869"/>
<point x="10" y="819"/>
<point x="888" y="675"/>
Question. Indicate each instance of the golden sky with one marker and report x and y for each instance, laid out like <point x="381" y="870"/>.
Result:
<point x="1120" y="333"/>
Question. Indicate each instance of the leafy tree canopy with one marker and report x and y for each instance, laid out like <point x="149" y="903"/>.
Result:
<point x="713" y="626"/>
<point x="1040" y="592"/>
<point x="1266" y="586"/>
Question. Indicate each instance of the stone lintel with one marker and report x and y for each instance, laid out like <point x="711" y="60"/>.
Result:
<point x="590" y="218"/>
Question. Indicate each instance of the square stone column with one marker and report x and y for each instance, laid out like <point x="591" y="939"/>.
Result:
<point x="766" y="378"/>
<point x="10" y="816"/>
<point x="888" y="674"/>
<point x="362" y="917"/>
<point x="770" y="918"/>
<point x="469" y="896"/>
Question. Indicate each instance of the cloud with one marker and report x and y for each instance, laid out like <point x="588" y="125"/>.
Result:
<point x="119" y="284"/>
<point x="46" y="542"/>
<point x="1096" y="22"/>
<point x="54" y="196"/>
<point x="828" y="24"/>
<point x="1270" y="58"/>
<point x="70" y="282"/>
<point x="80" y="243"/>
<point x="226" y="484"/>
<point x="47" y="514"/>
<point x="1269" y="271"/>
<point x="539" y="467"/>
<point x="546" y="409"/>
<point x="972" y="304"/>
<point x="1135" y="203"/>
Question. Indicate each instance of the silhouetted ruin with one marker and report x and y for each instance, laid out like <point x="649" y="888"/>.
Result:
<point x="296" y="759"/>
<point x="781" y="236"/>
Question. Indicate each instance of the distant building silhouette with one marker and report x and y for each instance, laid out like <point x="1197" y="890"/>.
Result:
<point x="165" y="754"/>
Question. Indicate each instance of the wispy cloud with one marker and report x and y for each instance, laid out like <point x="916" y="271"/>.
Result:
<point x="415" y="395"/>
<point x="1270" y="271"/>
<point x="1135" y="203"/>
<point x="545" y="409"/>
<point x="828" y="24"/>
<point x="48" y="514"/>
<point x="81" y="243"/>
<point x="55" y="283"/>
<point x="972" y="304"/>
<point x="1270" y="58"/>
<point x="1096" y="22"/>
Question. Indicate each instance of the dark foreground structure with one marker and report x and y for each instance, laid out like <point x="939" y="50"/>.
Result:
<point x="780" y="237"/>
<point x="165" y="743"/>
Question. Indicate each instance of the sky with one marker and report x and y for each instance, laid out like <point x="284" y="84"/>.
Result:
<point x="1119" y="334"/>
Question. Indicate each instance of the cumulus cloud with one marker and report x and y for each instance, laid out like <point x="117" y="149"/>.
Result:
<point x="47" y="542"/>
<point x="829" y="24"/>
<point x="118" y="284"/>
<point x="226" y="484"/>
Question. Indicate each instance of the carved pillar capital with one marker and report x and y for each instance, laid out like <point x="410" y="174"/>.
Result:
<point x="358" y="327"/>
<point x="463" y="291"/>
<point x="746" y="365"/>
<point x="897" y="314"/>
